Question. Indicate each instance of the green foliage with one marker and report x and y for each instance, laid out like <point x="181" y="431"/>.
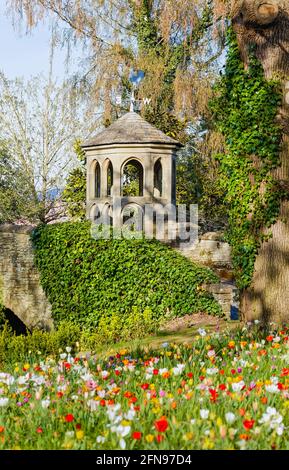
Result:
<point x="111" y="328"/>
<point x="2" y="315"/>
<point x="17" y="197"/>
<point x="74" y="194"/>
<point x="131" y="183"/>
<point x="85" y="278"/>
<point x="171" y="56"/>
<point x="245" y="110"/>
<point x="144" y="25"/>
<point x="116" y="327"/>
<point x="167" y="123"/>
<point x="16" y="348"/>
<point x="198" y="182"/>
<point x="189" y="189"/>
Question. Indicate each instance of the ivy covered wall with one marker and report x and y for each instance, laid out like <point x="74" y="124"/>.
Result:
<point x="245" y="110"/>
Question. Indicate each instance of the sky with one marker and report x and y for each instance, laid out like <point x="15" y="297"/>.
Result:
<point x="26" y="55"/>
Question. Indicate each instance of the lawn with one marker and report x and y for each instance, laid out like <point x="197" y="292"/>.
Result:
<point x="220" y="390"/>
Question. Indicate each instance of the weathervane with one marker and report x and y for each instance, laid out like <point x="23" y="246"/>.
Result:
<point x="135" y="78"/>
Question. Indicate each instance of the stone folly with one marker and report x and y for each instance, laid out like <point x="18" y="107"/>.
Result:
<point x="133" y="163"/>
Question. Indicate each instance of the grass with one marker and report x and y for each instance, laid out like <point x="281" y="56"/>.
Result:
<point x="181" y="336"/>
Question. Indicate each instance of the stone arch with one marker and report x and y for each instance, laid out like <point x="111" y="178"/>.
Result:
<point x="24" y="301"/>
<point x="158" y="178"/>
<point x="94" y="212"/>
<point x="108" y="171"/>
<point x="17" y="325"/>
<point x="131" y="211"/>
<point x="96" y="179"/>
<point x="21" y="292"/>
<point x="107" y="214"/>
<point x="132" y="178"/>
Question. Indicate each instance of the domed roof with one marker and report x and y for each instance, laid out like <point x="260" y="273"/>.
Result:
<point x="131" y="129"/>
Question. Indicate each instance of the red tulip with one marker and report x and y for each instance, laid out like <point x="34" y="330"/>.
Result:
<point x="69" y="418"/>
<point x="248" y="423"/>
<point x="161" y="425"/>
<point x="214" y="395"/>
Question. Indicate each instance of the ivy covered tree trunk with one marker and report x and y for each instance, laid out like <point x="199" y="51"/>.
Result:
<point x="265" y="24"/>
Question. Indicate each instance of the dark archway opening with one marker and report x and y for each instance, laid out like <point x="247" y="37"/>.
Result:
<point x="132" y="218"/>
<point x="132" y="179"/>
<point x="109" y="178"/>
<point x="174" y="186"/>
<point x="158" y="179"/>
<point x="18" y="327"/>
<point x="107" y="215"/>
<point x="97" y="180"/>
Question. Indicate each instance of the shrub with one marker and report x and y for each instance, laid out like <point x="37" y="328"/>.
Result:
<point x="113" y="328"/>
<point x="16" y="348"/>
<point x="2" y="315"/>
<point x="86" y="278"/>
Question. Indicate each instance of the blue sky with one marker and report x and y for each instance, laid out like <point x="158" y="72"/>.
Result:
<point x="25" y="55"/>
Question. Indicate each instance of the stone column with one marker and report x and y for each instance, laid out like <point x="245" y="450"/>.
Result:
<point x="89" y="186"/>
<point x="167" y="178"/>
<point x="103" y="179"/>
<point x="116" y="188"/>
<point x="148" y="165"/>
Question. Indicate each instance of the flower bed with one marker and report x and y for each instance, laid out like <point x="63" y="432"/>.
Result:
<point x="217" y="393"/>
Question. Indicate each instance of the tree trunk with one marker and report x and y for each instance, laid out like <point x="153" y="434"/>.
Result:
<point x="266" y="24"/>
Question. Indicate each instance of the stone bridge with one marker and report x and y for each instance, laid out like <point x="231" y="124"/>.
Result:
<point x="20" y="288"/>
